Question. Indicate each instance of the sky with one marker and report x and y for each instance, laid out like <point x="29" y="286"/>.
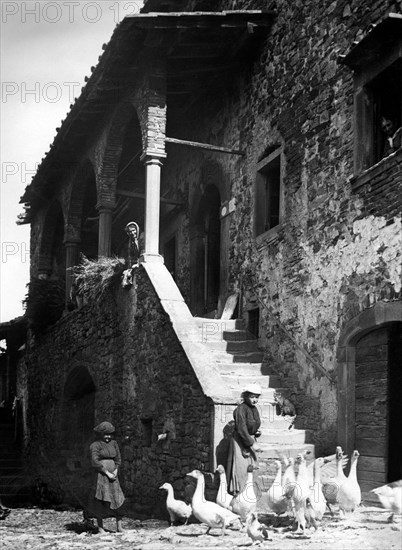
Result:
<point x="47" y="49"/>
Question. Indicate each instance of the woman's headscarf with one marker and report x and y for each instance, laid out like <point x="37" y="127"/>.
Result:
<point x="104" y="428"/>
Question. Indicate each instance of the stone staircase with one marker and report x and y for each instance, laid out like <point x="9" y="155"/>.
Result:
<point x="237" y="358"/>
<point x="225" y="357"/>
<point x="12" y="479"/>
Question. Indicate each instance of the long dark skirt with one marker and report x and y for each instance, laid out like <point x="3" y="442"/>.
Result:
<point x="239" y="457"/>
<point x="106" y="498"/>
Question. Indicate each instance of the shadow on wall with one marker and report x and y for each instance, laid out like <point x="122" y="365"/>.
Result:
<point x="222" y="448"/>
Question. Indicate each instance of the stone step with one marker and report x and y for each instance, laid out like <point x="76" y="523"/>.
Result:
<point x="10" y="461"/>
<point x="278" y="451"/>
<point x="283" y="437"/>
<point x="8" y="453"/>
<point x="277" y="423"/>
<point x="11" y="469"/>
<point x="238" y="335"/>
<point x="241" y="380"/>
<point x="213" y="333"/>
<point x="250" y="357"/>
<point x="10" y="484"/>
<point x="244" y="369"/>
<point x="233" y="346"/>
<point x="269" y="418"/>
<point x="220" y="324"/>
<point x="266" y="399"/>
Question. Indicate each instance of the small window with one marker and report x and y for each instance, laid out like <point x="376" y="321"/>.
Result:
<point x="146" y="431"/>
<point x="253" y="325"/>
<point x="268" y="193"/>
<point x="377" y="64"/>
<point x="383" y="98"/>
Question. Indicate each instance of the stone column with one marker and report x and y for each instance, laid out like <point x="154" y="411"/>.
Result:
<point x="105" y="229"/>
<point x="153" y="166"/>
<point x="72" y="252"/>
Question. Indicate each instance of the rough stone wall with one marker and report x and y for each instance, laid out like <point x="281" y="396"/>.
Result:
<point x="339" y="248"/>
<point x="144" y="385"/>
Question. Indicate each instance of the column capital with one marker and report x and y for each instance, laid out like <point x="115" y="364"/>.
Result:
<point x="150" y="156"/>
<point x="71" y="240"/>
<point x="105" y="206"/>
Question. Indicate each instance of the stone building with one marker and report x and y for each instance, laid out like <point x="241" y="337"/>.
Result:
<point x="248" y="146"/>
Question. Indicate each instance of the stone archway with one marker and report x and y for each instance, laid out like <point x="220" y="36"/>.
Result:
<point x="205" y="243"/>
<point x="209" y="241"/>
<point x="369" y="386"/>
<point x="77" y="423"/>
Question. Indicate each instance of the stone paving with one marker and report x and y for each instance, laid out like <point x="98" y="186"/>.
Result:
<point x="44" y="529"/>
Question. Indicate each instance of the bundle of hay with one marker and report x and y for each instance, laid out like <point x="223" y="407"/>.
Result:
<point x="92" y="278"/>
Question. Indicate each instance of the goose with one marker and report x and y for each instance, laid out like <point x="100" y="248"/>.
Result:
<point x="328" y="468"/>
<point x="317" y="499"/>
<point x="277" y="499"/>
<point x="209" y="512"/>
<point x="331" y="485"/>
<point x="289" y="478"/>
<point x="390" y="496"/>
<point x="350" y="495"/>
<point x="177" y="509"/>
<point x="255" y="530"/>
<point x="300" y="494"/>
<point x="246" y="501"/>
<point x="310" y="514"/>
<point x="223" y="498"/>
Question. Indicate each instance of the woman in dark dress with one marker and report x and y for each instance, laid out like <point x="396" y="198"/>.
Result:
<point x="243" y="444"/>
<point x="106" y="498"/>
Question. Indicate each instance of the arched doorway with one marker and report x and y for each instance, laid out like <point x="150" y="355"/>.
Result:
<point x="78" y="420"/>
<point x="370" y="384"/>
<point x="378" y="407"/>
<point x="206" y="253"/>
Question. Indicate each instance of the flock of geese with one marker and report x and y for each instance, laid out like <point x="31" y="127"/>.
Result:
<point x="302" y="491"/>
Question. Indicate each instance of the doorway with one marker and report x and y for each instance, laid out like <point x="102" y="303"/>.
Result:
<point x="206" y="254"/>
<point x="378" y="407"/>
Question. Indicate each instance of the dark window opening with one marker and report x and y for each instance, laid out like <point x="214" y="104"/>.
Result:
<point x="268" y="194"/>
<point x="385" y="92"/>
<point x="147" y="431"/>
<point x="253" y="325"/>
<point x="169" y="253"/>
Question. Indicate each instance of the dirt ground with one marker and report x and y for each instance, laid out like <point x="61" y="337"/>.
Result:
<point x="34" y="528"/>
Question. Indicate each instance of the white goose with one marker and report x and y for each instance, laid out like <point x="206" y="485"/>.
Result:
<point x="209" y="512"/>
<point x="350" y="495"/>
<point x="300" y="494"/>
<point x="277" y="499"/>
<point x="332" y="485"/>
<point x="223" y="498"/>
<point x="246" y="500"/>
<point x="177" y="509"/>
<point x="317" y="498"/>
<point x="390" y="496"/>
<point x="289" y="478"/>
